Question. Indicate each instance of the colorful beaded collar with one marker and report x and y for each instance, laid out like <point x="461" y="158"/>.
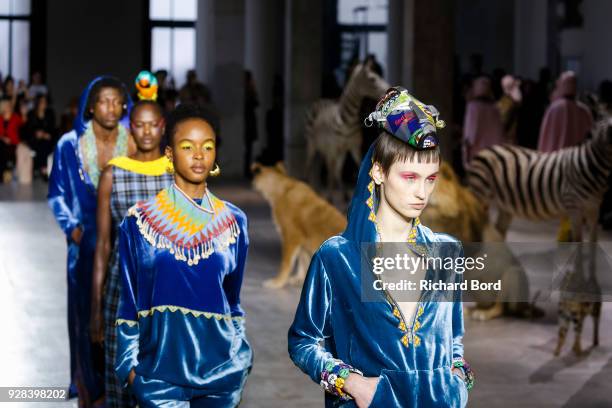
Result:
<point x="191" y="232"/>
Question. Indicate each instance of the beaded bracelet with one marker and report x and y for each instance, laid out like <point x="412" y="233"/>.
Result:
<point x="334" y="374"/>
<point x="467" y="371"/>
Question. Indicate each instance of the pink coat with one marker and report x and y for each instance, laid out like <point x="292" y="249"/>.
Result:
<point x="482" y="128"/>
<point x="566" y="121"/>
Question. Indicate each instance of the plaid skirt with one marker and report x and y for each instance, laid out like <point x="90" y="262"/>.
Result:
<point x="116" y="394"/>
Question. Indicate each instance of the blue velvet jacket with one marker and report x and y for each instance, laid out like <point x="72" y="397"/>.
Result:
<point x="181" y="321"/>
<point x="413" y="361"/>
<point x="72" y="197"/>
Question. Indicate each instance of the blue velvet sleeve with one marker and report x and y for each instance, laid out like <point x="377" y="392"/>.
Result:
<point x="59" y="183"/>
<point x="127" y="322"/>
<point x="458" y="329"/>
<point x="233" y="281"/>
<point x="312" y="322"/>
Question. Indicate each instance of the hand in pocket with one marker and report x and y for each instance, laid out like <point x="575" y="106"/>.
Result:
<point x="361" y="388"/>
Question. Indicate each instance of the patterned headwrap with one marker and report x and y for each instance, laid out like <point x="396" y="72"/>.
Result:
<point x="146" y="84"/>
<point x="408" y="119"/>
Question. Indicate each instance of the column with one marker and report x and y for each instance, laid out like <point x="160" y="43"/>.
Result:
<point x="264" y="32"/>
<point x="220" y="64"/>
<point x="303" y="66"/>
<point x="421" y="46"/>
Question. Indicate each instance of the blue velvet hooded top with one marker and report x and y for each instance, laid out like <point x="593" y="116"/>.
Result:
<point x="413" y="360"/>
<point x="72" y="196"/>
<point x="180" y="319"/>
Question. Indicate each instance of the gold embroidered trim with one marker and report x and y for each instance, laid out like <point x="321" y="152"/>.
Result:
<point x="370" y="200"/>
<point x="421" y="249"/>
<point x="417" y="326"/>
<point x="130" y="323"/>
<point x="413" y="232"/>
<point x="402" y="326"/>
<point x="186" y="311"/>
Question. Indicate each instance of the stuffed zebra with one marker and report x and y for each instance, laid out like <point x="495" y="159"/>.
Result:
<point x="529" y="184"/>
<point x="569" y="183"/>
<point x="333" y="128"/>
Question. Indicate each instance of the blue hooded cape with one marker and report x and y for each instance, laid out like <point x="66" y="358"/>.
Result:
<point x="73" y="199"/>
<point x="413" y="361"/>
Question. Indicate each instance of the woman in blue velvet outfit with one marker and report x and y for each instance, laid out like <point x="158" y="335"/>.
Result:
<point x="385" y="353"/>
<point x="180" y="330"/>
<point x="98" y="136"/>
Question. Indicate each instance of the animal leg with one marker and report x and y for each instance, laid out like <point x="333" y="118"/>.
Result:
<point x="576" y="222"/>
<point x="578" y="322"/>
<point x="303" y="260"/>
<point x="564" y="322"/>
<point x="596" y="314"/>
<point x="310" y="156"/>
<point x="290" y="250"/>
<point x="504" y="218"/>
<point x="592" y="225"/>
<point x="487" y="314"/>
<point x="338" y="177"/>
<point x="334" y="175"/>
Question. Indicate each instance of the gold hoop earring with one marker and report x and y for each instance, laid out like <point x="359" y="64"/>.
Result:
<point x="216" y="171"/>
<point x="170" y="168"/>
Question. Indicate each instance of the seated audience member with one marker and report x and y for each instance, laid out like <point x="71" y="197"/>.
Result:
<point x="39" y="133"/>
<point x="10" y="125"/>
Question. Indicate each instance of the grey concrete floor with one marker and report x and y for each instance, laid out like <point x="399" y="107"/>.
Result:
<point x="512" y="358"/>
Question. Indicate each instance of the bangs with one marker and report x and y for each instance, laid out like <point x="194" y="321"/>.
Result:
<point x="389" y="150"/>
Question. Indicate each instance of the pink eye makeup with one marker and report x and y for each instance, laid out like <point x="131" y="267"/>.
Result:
<point x="408" y="176"/>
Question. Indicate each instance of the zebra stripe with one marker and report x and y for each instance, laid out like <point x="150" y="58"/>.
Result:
<point x="535" y="185"/>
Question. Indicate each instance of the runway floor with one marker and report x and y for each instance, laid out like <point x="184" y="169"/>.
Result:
<point x="512" y="358"/>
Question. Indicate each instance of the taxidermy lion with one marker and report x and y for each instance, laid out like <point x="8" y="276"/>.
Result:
<point x="303" y="219"/>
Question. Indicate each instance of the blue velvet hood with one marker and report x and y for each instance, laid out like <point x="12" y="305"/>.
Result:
<point x="80" y="122"/>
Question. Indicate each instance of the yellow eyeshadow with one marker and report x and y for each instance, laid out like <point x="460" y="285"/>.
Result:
<point x="209" y="144"/>
<point x="184" y="145"/>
